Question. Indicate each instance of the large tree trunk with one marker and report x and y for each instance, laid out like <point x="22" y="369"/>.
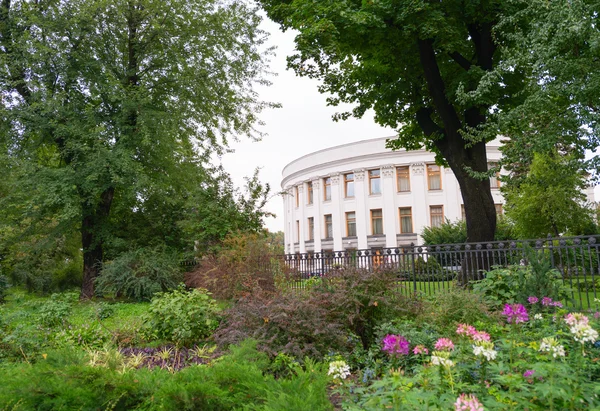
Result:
<point x="93" y="222"/>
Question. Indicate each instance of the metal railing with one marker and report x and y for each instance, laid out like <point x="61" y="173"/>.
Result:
<point x="432" y="269"/>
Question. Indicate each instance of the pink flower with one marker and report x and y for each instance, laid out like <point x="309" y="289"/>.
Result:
<point x="528" y="373"/>
<point x="557" y="304"/>
<point x="420" y="349"/>
<point x="546" y="301"/>
<point x="516" y="313"/>
<point x="395" y="344"/>
<point x="444" y="344"/>
<point x="465" y="329"/>
<point x="467" y="403"/>
<point x="480" y="336"/>
<point x="576" y="318"/>
<point x="597" y="314"/>
<point x="533" y="300"/>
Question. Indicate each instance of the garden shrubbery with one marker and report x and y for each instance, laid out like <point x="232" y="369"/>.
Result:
<point x="140" y="274"/>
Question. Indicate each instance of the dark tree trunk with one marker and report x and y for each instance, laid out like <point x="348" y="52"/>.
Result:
<point x="94" y="221"/>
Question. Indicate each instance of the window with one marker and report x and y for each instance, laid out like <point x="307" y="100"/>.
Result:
<point x="328" y="226"/>
<point x="406" y="225"/>
<point x="495" y="179"/>
<point x="351" y="224"/>
<point x="327" y="189"/>
<point x="349" y="185"/>
<point x="297" y="195"/>
<point x="375" y="181"/>
<point x="309" y="193"/>
<point x="403" y="179"/>
<point x="436" y="214"/>
<point x="498" y="209"/>
<point x="434" y="177"/>
<point x="311" y="228"/>
<point x="462" y="212"/>
<point x="377" y="221"/>
<point x="297" y="231"/>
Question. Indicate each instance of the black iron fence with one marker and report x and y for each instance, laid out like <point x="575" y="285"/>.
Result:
<point x="431" y="269"/>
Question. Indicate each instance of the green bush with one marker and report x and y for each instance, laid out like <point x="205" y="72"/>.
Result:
<point x="516" y="283"/>
<point x="55" y="311"/>
<point x="66" y="380"/>
<point x="456" y="232"/>
<point x="181" y="316"/>
<point x="140" y="274"/>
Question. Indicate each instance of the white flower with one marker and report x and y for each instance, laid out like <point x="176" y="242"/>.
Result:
<point x="485" y="349"/>
<point x="584" y="333"/>
<point x="339" y="370"/>
<point x="549" y="344"/>
<point x="538" y="317"/>
<point x="440" y="358"/>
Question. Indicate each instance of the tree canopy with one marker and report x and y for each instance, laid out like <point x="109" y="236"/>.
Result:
<point x="110" y="110"/>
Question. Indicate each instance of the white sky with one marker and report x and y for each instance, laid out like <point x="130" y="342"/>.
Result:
<point x="301" y="126"/>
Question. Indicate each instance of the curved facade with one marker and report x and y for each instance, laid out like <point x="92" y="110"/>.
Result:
<point x="362" y="195"/>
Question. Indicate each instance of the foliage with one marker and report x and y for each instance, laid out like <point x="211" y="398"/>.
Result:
<point x="140" y="274"/>
<point x="243" y="262"/>
<point x="456" y="305"/>
<point x="74" y="381"/>
<point x="344" y="305"/>
<point x="113" y="128"/>
<point x="555" y="43"/>
<point x="283" y="323"/>
<point x="181" y="316"/>
<point x="550" y="199"/>
<point x="54" y="312"/>
<point x="515" y="284"/>
<point x="456" y="232"/>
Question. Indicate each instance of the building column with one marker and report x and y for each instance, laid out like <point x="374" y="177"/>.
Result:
<point x="390" y="211"/>
<point x="318" y="230"/>
<point x="300" y="219"/>
<point x="337" y="215"/>
<point x="420" y="211"/>
<point x="287" y="215"/>
<point x="362" y="214"/>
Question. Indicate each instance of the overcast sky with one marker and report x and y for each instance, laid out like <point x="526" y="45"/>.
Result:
<point x="301" y="126"/>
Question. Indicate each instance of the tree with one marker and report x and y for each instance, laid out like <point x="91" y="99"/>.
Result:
<point x="550" y="199"/>
<point x="107" y="102"/>
<point x="427" y="68"/>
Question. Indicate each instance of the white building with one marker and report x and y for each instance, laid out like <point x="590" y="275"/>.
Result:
<point x="362" y="195"/>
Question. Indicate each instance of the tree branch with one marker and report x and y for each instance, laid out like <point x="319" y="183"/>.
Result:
<point x="461" y="60"/>
<point x="437" y="89"/>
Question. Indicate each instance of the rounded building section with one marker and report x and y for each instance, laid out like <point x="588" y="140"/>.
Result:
<point x="362" y="195"/>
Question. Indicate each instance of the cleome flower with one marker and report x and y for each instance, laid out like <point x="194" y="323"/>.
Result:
<point x="395" y="344"/>
<point x="485" y="349"/>
<point x="465" y="329"/>
<point x="467" y="403"/>
<point x="528" y="373"/>
<point x="580" y="328"/>
<point x="551" y="345"/>
<point x="444" y="344"/>
<point x="441" y="358"/>
<point x="420" y="349"/>
<point x="516" y="313"/>
<point x="533" y="300"/>
<point x="339" y="370"/>
<point x="538" y="317"/>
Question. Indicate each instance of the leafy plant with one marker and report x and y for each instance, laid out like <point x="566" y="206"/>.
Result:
<point x="181" y="316"/>
<point x="140" y="274"/>
<point x="517" y="283"/>
<point x="56" y="310"/>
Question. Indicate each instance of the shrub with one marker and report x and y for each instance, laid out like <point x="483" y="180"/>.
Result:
<point x="516" y="283"/>
<point x="283" y="323"/>
<point x="243" y="264"/>
<point x="456" y="232"/>
<point x="181" y="316"/>
<point x="56" y="310"/>
<point x="344" y="303"/>
<point x="140" y="274"/>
